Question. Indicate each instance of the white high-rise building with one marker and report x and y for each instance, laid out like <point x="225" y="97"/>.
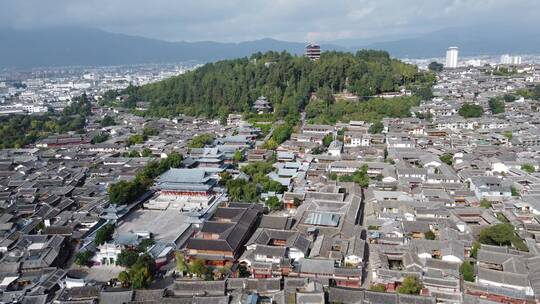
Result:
<point x="452" y="57"/>
<point x="507" y="59"/>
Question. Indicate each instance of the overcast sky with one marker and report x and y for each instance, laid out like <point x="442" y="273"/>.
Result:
<point x="293" y="20"/>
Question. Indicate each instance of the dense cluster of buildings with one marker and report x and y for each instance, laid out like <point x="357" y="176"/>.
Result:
<point x="38" y="91"/>
<point x="437" y="182"/>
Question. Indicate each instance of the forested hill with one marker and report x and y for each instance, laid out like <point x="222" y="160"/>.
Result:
<point x="217" y="89"/>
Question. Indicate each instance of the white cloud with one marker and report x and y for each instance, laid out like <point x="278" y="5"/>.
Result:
<point x="358" y="14"/>
<point x="328" y="35"/>
<point x="234" y="20"/>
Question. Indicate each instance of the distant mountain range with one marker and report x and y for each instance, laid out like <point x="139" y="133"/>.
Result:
<point x="91" y="47"/>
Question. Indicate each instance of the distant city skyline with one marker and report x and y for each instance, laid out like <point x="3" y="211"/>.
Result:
<point x="235" y="20"/>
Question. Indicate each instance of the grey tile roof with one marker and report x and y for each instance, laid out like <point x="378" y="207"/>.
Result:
<point x="503" y="277"/>
<point x="115" y="296"/>
<point x="316" y="266"/>
<point x="198" y="288"/>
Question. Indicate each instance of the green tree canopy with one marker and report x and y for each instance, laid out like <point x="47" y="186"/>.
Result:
<point x="376" y="128"/>
<point x="424" y="92"/>
<point x="230" y="86"/>
<point x="535" y="94"/>
<point x="141" y="273"/>
<point x="430" y="235"/>
<point x="325" y="93"/>
<point x="282" y="133"/>
<point x="327" y="140"/>
<point x="107" y="121"/>
<point x="181" y="264"/>
<point x="146" y="152"/>
<point x="435" y="66"/>
<point x="447" y="158"/>
<point x="273" y="203"/>
<point x="127" y="258"/>
<point x="99" y="138"/>
<point x="529" y="168"/>
<point x="515" y="191"/>
<point x="469" y="110"/>
<point x="410" y="285"/>
<point x="271" y="144"/>
<point x="150" y="131"/>
<point x="467" y="270"/>
<point x="377" y="288"/>
<point x="238" y="157"/>
<point x="474" y="249"/>
<point x="361" y="177"/>
<point x="372" y="110"/>
<point x="17" y="131"/>
<point x="502" y="235"/>
<point x="200" y="141"/>
<point x="198" y="268"/>
<point x="145" y="244"/>
<point x="123" y="277"/>
<point x="240" y="190"/>
<point x="104" y="234"/>
<point x="524" y="92"/>
<point x="125" y="192"/>
<point x="496" y="105"/>
<point x="83" y="258"/>
<point x="509" y="97"/>
<point x="173" y="160"/>
<point x="484" y="203"/>
<point x="136" y="139"/>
